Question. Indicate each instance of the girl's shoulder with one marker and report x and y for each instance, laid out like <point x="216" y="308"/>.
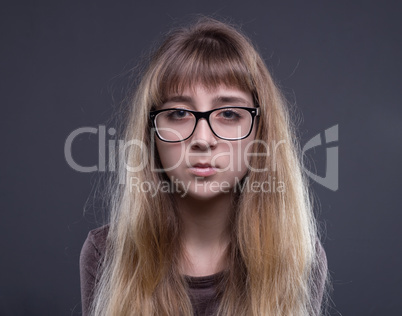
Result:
<point x="321" y="255"/>
<point x="319" y="277"/>
<point x="93" y="250"/>
<point x="91" y="258"/>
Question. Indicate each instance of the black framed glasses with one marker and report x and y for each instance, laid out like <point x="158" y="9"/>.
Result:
<point x="229" y="123"/>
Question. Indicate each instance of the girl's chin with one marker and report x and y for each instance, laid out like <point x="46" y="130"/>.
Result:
<point x="202" y="189"/>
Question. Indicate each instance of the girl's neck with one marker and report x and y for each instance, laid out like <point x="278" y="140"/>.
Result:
<point x="205" y="233"/>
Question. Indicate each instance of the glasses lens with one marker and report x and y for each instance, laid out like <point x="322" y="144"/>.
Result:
<point x="174" y="125"/>
<point x="231" y="123"/>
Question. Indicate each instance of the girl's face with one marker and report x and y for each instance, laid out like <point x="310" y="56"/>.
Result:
<point x="204" y="165"/>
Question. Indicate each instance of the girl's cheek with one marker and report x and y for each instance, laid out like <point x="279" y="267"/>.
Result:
<point x="171" y="155"/>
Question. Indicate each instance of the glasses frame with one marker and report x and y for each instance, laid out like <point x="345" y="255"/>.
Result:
<point x="255" y="111"/>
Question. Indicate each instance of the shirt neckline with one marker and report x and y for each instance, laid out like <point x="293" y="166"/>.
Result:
<point x="204" y="281"/>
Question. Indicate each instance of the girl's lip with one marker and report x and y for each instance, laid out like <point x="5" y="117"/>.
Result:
<point x="203" y="170"/>
<point x="201" y="165"/>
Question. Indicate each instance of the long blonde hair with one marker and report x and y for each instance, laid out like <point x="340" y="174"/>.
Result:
<point x="273" y="244"/>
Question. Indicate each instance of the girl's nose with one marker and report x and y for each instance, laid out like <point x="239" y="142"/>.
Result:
<point x="203" y="137"/>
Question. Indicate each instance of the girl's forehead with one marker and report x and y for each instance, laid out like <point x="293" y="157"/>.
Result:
<point x="201" y="88"/>
<point x="198" y="96"/>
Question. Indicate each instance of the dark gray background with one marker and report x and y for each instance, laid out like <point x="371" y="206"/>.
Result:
<point x="63" y="66"/>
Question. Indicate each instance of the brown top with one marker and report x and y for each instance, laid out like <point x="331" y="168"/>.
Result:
<point x="202" y="290"/>
<point x="203" y="293"/>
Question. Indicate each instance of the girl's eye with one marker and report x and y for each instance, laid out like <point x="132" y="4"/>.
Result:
<point x="177" y="114"/>
<point x="229" y="114"/>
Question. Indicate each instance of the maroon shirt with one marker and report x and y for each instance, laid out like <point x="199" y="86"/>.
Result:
<point x="201" y="290"/>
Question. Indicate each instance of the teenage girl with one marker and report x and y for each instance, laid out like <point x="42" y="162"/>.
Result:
<point x="210" y="211"/>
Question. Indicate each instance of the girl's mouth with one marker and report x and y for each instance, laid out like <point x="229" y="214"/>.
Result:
<point x="202" y="170"/>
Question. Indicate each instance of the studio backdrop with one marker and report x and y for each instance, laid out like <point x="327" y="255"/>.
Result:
<point x="69" y="66"/>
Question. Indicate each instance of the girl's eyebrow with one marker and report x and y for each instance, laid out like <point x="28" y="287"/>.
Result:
<point x="230" y="99"/>
<point x="178" y="99"/>
<point x="218" y="100"/>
